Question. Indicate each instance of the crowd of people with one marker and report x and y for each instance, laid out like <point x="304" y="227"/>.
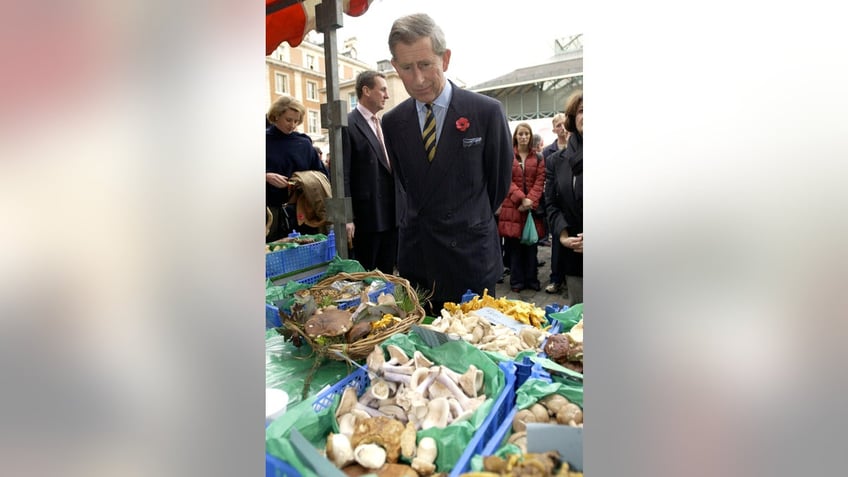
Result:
<point x="441" y="191"/>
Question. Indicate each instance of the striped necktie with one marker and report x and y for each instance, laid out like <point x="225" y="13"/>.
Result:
<point x="429" y="133"/>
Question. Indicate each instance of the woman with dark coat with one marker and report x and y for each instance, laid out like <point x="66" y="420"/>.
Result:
<point x="286" y="151"/>
<point x="525" y="192"/>
<point x="564" y="198"/>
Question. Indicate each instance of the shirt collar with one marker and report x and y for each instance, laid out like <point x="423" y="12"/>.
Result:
<point x="365" y="112"/>
<point x="442" y="101"/>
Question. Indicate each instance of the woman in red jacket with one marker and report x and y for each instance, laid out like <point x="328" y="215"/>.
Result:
<point x="528" y="185"/>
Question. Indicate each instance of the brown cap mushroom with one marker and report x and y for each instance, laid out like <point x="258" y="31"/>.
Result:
<point x="328" y="322"/>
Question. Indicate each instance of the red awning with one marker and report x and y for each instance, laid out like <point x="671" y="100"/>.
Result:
<point x="291" y="20"/>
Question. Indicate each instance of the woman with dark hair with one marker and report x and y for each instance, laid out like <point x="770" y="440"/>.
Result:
<point x="564" y="198"/>
<point x="525" y="192"/>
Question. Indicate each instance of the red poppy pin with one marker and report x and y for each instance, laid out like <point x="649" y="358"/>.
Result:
<point x="462" y="124"/>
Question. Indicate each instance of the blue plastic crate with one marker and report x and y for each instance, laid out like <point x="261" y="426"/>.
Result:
<point x="360" y="380"/>
<point x="503" y="403"/>
<point x="297" y="258"/>
<point x="499" y="436"/>
<point x="275" y="467"/>
<point x="372" y="297"/>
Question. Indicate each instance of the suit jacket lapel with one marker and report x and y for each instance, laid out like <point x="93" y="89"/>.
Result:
<point x="368" y="133"/>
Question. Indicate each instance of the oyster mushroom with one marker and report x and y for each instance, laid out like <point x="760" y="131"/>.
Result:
<point x="438" y="412"/>
<point x="421" y="361"/>
<point x="376" y="359"/>
<point x="467" y="403"/>
<point x="370" y="456"/>
<point x="471" y="381"/>
<point x="396" y="355"/>
<point x="328" y="322"/>
<point x="349" y="403"/>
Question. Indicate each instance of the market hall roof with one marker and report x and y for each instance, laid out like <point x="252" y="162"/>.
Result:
<point x="559" y="70"/>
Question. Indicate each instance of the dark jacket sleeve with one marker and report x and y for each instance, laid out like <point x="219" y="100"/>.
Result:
<point x="499" y="148"/>
<point x="553" y="198"/>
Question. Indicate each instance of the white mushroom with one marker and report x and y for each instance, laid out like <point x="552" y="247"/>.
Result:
<point x="407" y="440"/>
<point x="347" y="423"/>
<point x="464" y="401"/>
<point x="370" y="456"/>
<point x="376" y="359"/>
<point x="471" y="381"/>
<point x="438" y="412"/>
<point x="406" y="369"/>
<point x="396" y="378"/>
<point x="394" y="411"/>
<point x="396" y="355"/>
<point x="338" y="450"/>
<point x="349" y="403"/>
<point x="425" y="456"/>
<point x="421" y="361"/>
<point x="438" y="389"/>
<point x="379" y="389"/>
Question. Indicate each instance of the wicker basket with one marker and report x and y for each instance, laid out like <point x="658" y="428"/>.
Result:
<point x="361" y="348"/>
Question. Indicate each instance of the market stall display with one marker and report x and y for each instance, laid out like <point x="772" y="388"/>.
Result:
<point x="326" y="416"/>
<point x="344" y="332"/>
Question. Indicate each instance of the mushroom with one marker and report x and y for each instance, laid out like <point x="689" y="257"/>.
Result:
<point x="338" y="450"/>
<point x="464" y="401"/>
<point x="396" y="355"/>
<point x="376" y="359"/>
<point x="425" y="456"/>
<point x="471" y="381"/>
<point x="379" y="389"/>
<point x="358" y="331"/>
<point x="522" y="417"/>
<point x="540" y="412"/>
<point x="383" y="431"/>
<point x="407" y="441"/>
<point x="438" y="412"/>
<point x="438" y="389"/>
<point x="349" y="403"/>
<point x="347" y="423"/>
<point x="553" y="402"/>
<point x="456" y="377"/>
<point x="519" y="439"/>
<point x="570" y="414"/>
<point x="370" y="456"/>
<point x="328" y="322"/>
<point x="394" y="411"/>
<point x="421" y="361"/>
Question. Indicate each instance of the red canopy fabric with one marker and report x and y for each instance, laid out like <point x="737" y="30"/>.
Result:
<point x="291" y="20"/>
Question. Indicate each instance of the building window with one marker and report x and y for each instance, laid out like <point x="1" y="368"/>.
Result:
<point x="351" y="100"/>
<point x="310" y="62"/>
<point x="314" y="121"/>
<point x="312" y="90"/>
<point x="281" y="83"/>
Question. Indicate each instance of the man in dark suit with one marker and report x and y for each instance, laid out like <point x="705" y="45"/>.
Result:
<point x="368" y="178"/>
<point x="451" y="152"/>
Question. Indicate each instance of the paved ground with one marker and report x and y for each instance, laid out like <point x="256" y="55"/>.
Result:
<point x="539" y="298"/>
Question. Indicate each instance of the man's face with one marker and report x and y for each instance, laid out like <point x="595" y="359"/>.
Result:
<point x="420" y="69"/>
<point x="375" y="98"/>
<point x="559" y="129"/>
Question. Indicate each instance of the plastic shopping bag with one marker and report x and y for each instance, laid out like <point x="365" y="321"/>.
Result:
<point x="529" y="236"/>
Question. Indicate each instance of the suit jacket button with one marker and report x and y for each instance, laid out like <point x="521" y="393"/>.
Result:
<point x="453" y="244"/>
